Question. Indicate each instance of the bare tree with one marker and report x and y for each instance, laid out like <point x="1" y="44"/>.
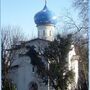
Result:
<point x="82" y="6"/>
<point x="80" y="40"/>
<point x="10" y="36"/>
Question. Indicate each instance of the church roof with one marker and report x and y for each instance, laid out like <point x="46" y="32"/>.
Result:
<point x="23" y="43"/>
<point x="35" y="40"/>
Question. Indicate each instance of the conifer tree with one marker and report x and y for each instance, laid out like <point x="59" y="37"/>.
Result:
<point x="57" y="74"/>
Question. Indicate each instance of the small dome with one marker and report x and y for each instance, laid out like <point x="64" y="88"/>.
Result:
<point x="45" y="16"/>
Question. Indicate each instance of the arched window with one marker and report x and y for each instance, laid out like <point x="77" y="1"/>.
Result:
<point x="33" y="86"/>
<point x="43" y="32"/>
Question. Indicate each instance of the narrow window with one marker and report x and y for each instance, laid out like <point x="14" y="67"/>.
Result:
<point x="43" y="32"/>
<point x="33" y="69"/>
<point x="50" y="33"/>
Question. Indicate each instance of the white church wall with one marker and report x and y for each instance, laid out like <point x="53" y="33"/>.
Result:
<point x="73" y="64"/>
<point x="46" y="32"/>
<point x="75" y="69"/>
<point x="23" y="75"/>
<point x="26" y="75"/>
<point x="70" y="55"/>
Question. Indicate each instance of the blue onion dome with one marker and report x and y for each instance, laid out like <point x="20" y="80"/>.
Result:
<point x="45" y="16"/>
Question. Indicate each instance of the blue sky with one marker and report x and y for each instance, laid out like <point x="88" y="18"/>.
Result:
<point x="21" y="12"/>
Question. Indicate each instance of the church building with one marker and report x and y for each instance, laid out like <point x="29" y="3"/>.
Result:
<point x="21" y="72"/>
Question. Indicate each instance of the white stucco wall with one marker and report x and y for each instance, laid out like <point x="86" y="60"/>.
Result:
<point x="46" y="32"/>
<point x="70" y="55"/>
<point x="23" y="74"/>
<point x="73" y="64"/>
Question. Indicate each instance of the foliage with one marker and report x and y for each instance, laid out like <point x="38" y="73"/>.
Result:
<point x="80" y="39"/>
<point x="55" y="55"/>
<point x="82" y="6"/>
<point x="36" y="60"/>
<point x="82" y="51"/>
<point x="8" y="85"/>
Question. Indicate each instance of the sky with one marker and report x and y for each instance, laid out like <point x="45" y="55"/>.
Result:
<point x="21" y="13"/>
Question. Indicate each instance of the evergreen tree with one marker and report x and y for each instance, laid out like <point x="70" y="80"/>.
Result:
<point x="56" y="73"/>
